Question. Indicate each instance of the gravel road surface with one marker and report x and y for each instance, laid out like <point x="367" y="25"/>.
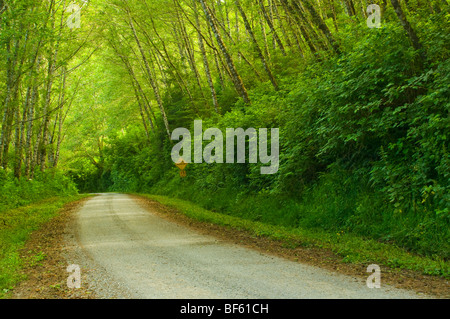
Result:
<point x="126" y="251"/>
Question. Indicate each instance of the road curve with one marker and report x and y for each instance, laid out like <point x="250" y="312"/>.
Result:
<point x="150" y="257"/>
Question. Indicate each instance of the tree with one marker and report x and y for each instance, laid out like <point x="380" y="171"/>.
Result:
<point x="408" y="28"/>
<point x="256" y="46"/>
<point x="237" y="81"/>
<point x="205" y="59"/>
<point x="149" y="73"/>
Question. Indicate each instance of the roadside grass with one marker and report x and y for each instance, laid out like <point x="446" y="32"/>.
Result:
<point x="350" y="247"/>
<point x="16" y="225"/>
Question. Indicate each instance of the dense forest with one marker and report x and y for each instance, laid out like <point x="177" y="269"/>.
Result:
<point x="90" y="92"/>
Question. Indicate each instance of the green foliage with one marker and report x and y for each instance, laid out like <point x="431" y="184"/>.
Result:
<point x="15" y="229"/>
<point x="15" y="193"/>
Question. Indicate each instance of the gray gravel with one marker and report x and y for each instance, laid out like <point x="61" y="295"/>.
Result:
<point x="125" y="251"/>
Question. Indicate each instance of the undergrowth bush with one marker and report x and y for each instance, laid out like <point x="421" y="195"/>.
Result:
<point x="19" y="192"/>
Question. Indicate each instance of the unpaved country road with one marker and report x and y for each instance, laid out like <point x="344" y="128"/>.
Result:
<point x="126" y="251"/>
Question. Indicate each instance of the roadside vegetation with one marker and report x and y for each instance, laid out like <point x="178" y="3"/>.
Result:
<point x="25" y="206"/>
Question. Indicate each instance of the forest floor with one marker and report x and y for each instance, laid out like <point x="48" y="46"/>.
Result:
<point x="47" y="277"/>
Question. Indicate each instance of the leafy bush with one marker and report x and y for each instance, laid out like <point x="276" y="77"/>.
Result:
<point x="15" y="193"/>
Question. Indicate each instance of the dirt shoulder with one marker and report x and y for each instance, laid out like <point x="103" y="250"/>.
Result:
<point x="45" y="258"/>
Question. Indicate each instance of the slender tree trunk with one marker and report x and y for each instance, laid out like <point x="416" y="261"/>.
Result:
<point x="29" y="108"/>
<point x="147" y="106"/>
<point x="166" y="57"/>
<point x="272" y="28"/>
<point x="239" y="53"/>
<point x="157" y="60"/>
<point x="190" y="53"/>
<point x="8" y="115"/>
<point x="237" y="81"/>
<point x="36" y="153"/>
<point x="318" y="21"/>
<point x="205" y="60"/>
<point x="350" y="8"/>
<point x="5" y="119"/>
<point x="2" y="6"/>
<point x="288" y="8"/>
<point x="236" y="27"/>
<point x="150" y="76"/>
<point x="59" y="140"/>
<point x="180" y="47"/>
<point x="138" y="89"/>
<point x="59" y="120"/>
<point x="18" y="141"/>
<point x="33" y="102"/>
<point x="256" y="46"/>
<point x="138" y="98"/>
<point x="277" y="16"/>
<point x="46" y="119"/>
<point x="271" y="18"/>
<point x="408" y="28"/>
<point x="48" y="94"/>
<point x="333" y="10"/>
<point x="216" y="59"/>
<point x="264" y="35"/>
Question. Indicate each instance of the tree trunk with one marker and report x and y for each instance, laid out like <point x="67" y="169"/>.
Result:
<point x="216" y="59"/>
<point x="2" y="6"/>
<point x="190" y="53"/>
<point x="29" y="125"/>
<point x="18" y="141"/>
<point x="256" y="46"/>
<point x="31" y="110"/>
<point x="8" y="115"/>
<point x="138" y="98"/>
<point x="333" y="10"/>
<point x="350" y="8"/>
<point x="288" y="8"/>
<point x="48" y="93"/>
<point x="277" y="17"/>
<point x="318" y="21"/>
<point x="407" y="26"/>
<point x="237" y="81"/>
<point x="272" y="28"/>
<point x="137" y="88"/>
<point x="205" y="60"/>
<point x="179" y="77"/>
<point x="59" y="120"/>
<point x="150" y="76"/>
<point x="46" y="119"/>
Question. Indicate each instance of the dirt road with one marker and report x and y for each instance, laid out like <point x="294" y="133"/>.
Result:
<point x="126" y="251"/>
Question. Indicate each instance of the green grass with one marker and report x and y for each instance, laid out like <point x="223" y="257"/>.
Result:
<point x="16" y="226"/>
<point x="350" y="247"/>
